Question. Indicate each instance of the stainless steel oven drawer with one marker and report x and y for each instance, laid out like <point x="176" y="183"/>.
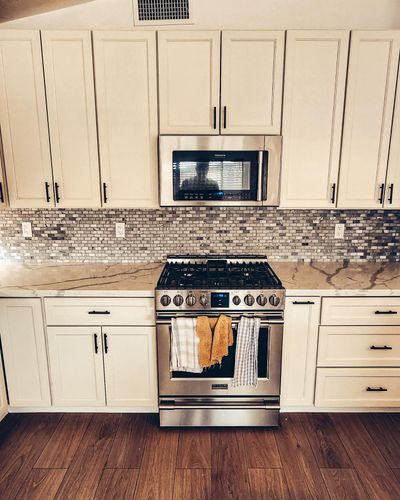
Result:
<point x="215" y="414"/>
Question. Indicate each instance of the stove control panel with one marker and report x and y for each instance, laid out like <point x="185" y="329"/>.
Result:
<point x="198" y="300"/>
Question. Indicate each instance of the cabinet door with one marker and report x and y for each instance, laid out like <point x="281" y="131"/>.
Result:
<point x="374" y="58"/>
<point x="24" y="351"/>
<point x="67" y="59"/>
<point x="3" y="188"/>
<point x="23" y="120"/>
<point x="392" y="197"/>
<point x="299" y="359"/>
<point x="130" y="366"/>
<point x="76" y="366"/>
<point x="126" y="92"/>
<point x="3" y="394"/>
<point x="315" y="79"/>
<point x="189" y="78"/>
<point x="251" y="82"/>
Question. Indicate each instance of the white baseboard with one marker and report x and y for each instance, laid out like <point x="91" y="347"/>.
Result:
<point x="314" y="409"/>
<point x="77" y="409"/>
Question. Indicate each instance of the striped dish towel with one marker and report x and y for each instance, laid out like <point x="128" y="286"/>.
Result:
<point x="184" y="346"/>
<point x="246" y="359"/>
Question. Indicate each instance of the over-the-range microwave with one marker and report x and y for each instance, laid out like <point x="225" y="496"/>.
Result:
<point x="219" y="170"/>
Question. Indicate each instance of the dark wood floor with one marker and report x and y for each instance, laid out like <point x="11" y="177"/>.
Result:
<point x="100" y="456"/>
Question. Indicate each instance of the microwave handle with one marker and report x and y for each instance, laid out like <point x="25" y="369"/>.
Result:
<point x="260" y="176"/>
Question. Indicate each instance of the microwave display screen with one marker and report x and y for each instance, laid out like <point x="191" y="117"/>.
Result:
<point x="215" y="175"/>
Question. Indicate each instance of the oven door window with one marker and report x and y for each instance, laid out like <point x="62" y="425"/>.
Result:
<point x="227" y="368"/>
<point x="215" y="175"/>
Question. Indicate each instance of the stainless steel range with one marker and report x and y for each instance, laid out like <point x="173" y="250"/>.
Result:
<point x="235" y="286"/>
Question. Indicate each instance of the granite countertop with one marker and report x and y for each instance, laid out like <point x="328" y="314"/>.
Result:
<point x="79" y="279"/>
<point x="339" y="278"/>
<point x="318" y="278"/>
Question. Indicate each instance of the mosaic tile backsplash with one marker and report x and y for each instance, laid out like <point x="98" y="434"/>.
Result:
<point x="89" y="235"/>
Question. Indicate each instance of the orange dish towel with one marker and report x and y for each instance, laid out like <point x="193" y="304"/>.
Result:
<point x="215" y="337"/>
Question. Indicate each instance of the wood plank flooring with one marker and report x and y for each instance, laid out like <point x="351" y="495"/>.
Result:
<point x="112" y="456"/>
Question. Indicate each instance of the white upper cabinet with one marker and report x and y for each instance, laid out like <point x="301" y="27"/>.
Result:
<point x="126" y="92"/>
<point x="373" y="64"/>
<point x="251" y="82"/>
<point x="67" y="58"/>
<point x="392" y="195"/>
<point x="23" y="120"/>
<point x="3" y="188"/>
<point x="315" y="80"/>
<point x="24" y="352"/>
<point x="189" y="80"/>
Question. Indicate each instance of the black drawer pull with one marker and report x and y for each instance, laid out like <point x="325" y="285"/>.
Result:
<point x="303" y="303"/>
<point x="224" y="116"/>
<point x="385" y="312"/>
<point x="376" y="389"/>
<point x="57" y="187"/>
<point x="215" y="117"/>
<point x="99" y="312"/>
<point x="390" y="198"/>
<point x="105" y="343"/>
<point x="381" y="348"/>
<point x="333" y="198"/>
<point x="96" y="345"/>
<point x="1" y="193"/>
<point x="105" y="199"/>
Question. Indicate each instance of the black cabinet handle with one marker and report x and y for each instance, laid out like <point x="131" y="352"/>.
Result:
<point x="303" y="303"/>
<point x="385" y="312"/>
<point x="105" y="343"/>
<point x="215" y="116"/>
<point x="333" y="198"/>
<point x="56" y="186"/>
<point x="96" y="345"/>
<point x="1" y="193"/>
<point x="376" y="389"/>
<point x="381" y="348"/>
<point x="104" y="192"/>
<point x="382" y="192"/>
<point x="224" y="116"/>
<point x="99" y="312"/>
<point x="47" y="188"/>
<point x="390" y="198"/>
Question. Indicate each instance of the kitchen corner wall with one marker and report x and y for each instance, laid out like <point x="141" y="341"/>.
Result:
<point x="89" y="235"/>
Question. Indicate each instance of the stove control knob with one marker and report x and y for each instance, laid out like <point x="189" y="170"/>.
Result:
<point x="236" y="300"/>
<point x="178" y="300"/>
<point x="165" y="300"/>
<point x="262" y="300"/>
<point x="190" y="300"/>
<point x="249" y="300"/>
<point x="274" y="300"/>
<point x="203" y="299"/>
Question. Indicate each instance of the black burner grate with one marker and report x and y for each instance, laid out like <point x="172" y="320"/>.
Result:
<point x="218" y="274"/>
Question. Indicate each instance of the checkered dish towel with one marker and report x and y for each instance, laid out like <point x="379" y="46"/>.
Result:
<point x="246" y="365"/>
<point x="184" y="346"/>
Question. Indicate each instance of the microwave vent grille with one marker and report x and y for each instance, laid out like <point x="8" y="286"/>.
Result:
<point x="162" y="12"/>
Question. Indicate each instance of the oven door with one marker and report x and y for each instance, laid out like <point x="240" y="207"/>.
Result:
<point x="217" y="380"/>
<point x="219" y="170"/>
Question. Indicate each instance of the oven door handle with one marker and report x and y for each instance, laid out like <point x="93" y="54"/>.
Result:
<point x="234" y="323"/>
<point x="260" y="176"/>
<point x="217" y="405"/>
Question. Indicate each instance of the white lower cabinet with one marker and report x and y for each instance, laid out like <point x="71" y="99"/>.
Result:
<point x="358" y="387"/>
<point x="24" y="352"/>
<point x="76" y="366"/>
<point x="300" y="340"/>
<point x="130" y="366"/>
<point x="3" y="394"/>
<point x="103" y="366"/>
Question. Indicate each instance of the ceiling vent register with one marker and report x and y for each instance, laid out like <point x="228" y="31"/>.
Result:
<point x="158" y="12"/>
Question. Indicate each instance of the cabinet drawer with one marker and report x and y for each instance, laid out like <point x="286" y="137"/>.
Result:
<point x="99" y="311"/>
<point x="359" y="346"/>
<point x="361" y="311"/>
<point x="357" y="387"/>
